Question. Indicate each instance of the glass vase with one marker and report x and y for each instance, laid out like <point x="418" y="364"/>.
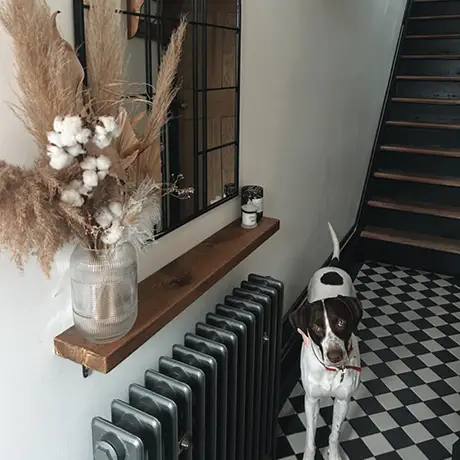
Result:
<point x="104" y="292"/>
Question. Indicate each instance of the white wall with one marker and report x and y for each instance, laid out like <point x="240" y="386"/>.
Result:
<point x="314" y="75"/>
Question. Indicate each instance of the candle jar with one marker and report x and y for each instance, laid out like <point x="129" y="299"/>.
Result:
<point x="248" y="216"/>
<point x="254" y="194"/>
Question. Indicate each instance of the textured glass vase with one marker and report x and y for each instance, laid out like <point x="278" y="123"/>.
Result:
<point x="104" y="292"/>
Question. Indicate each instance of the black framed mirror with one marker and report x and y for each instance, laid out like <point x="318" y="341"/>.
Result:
<point x="200" y="141"/>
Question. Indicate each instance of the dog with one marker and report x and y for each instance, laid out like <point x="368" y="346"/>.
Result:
<point x="330" y="360"/>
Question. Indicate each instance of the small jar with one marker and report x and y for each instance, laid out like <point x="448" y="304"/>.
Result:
<point x="248" y="216"/>
<point x="254" y="194"/>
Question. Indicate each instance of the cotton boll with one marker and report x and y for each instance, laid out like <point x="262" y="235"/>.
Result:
<point x="89" y="163"/>
<point x="102" y="141"/>
<point x="60" y="161"/>
<point x="113" y="234"/>
<point x="76" y="184"/>
<point x="102" y="175"/>
<point x="116" y="208"/>
<point x="103" y="163"/>
<point x="104" y="218"/>
<point x="54" y="138"/>
<point x="72" y="197"/>
<point x="58" y="124"/>
<point x="71" y="127"/>
<point x="100" y="130"/>
<point x="90" y="178"/>
<point x="52" y="150"/>
<point x="76" y="150"/>
<point x="85" y="191"/>
<point x="110" y="125"/>
<point x="83" y="136"/>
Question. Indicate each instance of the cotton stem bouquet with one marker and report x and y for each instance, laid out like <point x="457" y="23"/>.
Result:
<point x="94" y="178"/>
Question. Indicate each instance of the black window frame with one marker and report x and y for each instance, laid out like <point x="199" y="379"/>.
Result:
<point x="171" y="206"/>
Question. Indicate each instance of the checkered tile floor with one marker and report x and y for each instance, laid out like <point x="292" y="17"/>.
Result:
<point x="408" y="406"/>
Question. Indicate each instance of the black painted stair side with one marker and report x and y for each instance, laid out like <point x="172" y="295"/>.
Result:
<point x="411" y="208"/>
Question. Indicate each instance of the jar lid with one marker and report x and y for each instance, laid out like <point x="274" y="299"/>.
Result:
<point x="252" y="191"/>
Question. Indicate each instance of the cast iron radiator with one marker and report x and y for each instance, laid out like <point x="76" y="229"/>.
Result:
<point x="216" y="397"/>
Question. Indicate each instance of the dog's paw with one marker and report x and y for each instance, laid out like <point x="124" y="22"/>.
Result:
<point x="333" y="452"/>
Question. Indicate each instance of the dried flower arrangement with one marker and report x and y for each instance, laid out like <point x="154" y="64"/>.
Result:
<point x="94" y="178"/>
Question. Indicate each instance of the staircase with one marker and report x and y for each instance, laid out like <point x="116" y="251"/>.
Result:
<point x="411" y="209"/>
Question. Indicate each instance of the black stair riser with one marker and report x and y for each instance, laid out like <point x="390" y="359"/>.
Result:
<point x="413" y="222"/>
<point x="420" y="164"/>
<point x="408" y="256"/>
<point x="434" y="8"/>
<point x="431" y="46"/>
<point x="432" y="113"/>
<point x="433" y="26"/>
<point x="420" y="137"/>
<point x="412" y="191"/>
<point x="428" y="89"/>
<point x="429" y="67"/>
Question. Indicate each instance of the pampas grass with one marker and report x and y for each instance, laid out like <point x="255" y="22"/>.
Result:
<point x="105" y="47"/>
<point x="43" y="66"/>
<point x="35" y="218"/>
<point x="165" y="92"/>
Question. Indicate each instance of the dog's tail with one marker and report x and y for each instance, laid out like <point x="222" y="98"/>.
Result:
<point x="335" y="241"/>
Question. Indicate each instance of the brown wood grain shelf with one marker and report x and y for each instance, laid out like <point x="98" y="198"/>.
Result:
<point x="419" y="178"/>
<point x="434" y="36"/>
<point x="441" y="16"/>
<point x="451" y="212"/>
<point x="446" y="57"/>
<point x="426" y="78"/>
<point x="412" y="239"/>
<point x="420" y="150"/>
<point x="417" y="100"/>
<point x="421" y="124"/>
<point x="168" y="292"/>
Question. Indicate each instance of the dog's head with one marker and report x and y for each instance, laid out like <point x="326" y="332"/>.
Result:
<point x="330" y="324"/>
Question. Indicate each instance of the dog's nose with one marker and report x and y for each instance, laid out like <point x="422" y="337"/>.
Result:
<point x="335" y="356"/>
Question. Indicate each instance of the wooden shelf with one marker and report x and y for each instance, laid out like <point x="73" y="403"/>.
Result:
<point x="168" y="292"/>
<point x="412" y="239"/>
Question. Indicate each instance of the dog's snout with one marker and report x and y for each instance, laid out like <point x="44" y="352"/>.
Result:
<point x="335" y="355"/>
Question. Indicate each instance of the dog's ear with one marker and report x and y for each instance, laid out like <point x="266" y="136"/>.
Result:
<point x="299" y="318"/>
<point x="355" y="307"/>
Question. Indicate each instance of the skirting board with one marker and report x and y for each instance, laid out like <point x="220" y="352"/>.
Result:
<point x="290" y="352"/>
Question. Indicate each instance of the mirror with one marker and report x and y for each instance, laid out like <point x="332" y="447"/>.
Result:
<point x="200" y="141"/>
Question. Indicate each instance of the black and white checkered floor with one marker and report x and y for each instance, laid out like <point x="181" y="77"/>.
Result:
<point x="408" y="406"/>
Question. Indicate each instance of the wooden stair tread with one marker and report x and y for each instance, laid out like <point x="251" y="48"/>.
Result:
<point x="430" y="36"/>
<point x="412" y="239"/>
<point x="426" y="78"/>
<point x="445" y="57"/>
<point x="452" y="212"/>
<point x="422" y="151"/>
<point x="420" y="124"/>
<point x="416" y="100"/>
<point x="419" y="178"/>
<point x="430" y="18"/>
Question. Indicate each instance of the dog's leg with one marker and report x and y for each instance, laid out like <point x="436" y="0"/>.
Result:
<point x="340" y="412"/>
<point x="311" y="415"/>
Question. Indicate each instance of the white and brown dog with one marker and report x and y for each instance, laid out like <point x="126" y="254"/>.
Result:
<point x="330" y="361"/>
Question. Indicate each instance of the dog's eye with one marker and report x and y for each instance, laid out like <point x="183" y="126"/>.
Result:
<point x="317" y="329"/>
<point x="341" y="323"/>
